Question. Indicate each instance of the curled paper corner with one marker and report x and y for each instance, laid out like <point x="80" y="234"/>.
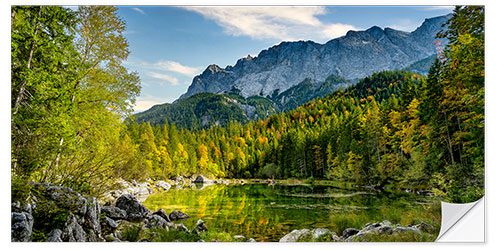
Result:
<point x="462" y="222"/>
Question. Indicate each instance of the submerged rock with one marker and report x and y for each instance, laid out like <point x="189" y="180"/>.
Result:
<point x="200" y="227"/>
<point x="163" y="185"/>
<point x="160" y="212"/>
<point x="202" y="179"/>
<point x="177" y="215"/>
<point x="181" y="227"/>
<point x="155" y="221"/>
<point x="239" y="237"/>
<point x="179" y="180"/>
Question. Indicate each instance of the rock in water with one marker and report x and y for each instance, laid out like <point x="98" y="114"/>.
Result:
<point x="296" y="235"/>
<point x="177" y="215"/>
<point x="202" y="179"/>
<point x="179" y="180"/>
<point x="135" y="210"/>
<point x="181" y="227"/>
<point x="163" y="185"/>
<point x="160" y="212"/>
<point x="239" y="237"/>
<point x="155" y="221"/>
<point x="200" y="227"/>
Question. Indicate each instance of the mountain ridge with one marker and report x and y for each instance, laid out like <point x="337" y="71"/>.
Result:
<point x="353" y="56"/>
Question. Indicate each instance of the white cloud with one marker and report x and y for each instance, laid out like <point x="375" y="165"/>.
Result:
<point x="147" y="101"/>
<point x="405" y="25"/>
<point x="164" y="65"/>
<point x="336" y="29"/>
<point x="176" y="67"/>
<point x="283" y="23"/>
<point x="139" y="10"/>
<point x="170" y="79"/>
<point x="449" y="7"/>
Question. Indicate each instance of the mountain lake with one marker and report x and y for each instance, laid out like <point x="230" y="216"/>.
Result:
<point x="268" y="212"/>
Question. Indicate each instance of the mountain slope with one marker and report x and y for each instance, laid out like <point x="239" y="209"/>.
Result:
<point x="353" y="56"/>
<point x="206" y="109"/>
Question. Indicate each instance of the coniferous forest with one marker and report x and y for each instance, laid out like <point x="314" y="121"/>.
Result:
<point x="72" y="99"/>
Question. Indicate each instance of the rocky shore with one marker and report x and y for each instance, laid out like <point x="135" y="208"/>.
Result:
<point x="142" y="190"/>
<point x="381" y="230"/>
<point x="58" y="214"/>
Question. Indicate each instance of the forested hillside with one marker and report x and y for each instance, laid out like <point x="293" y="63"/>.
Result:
<point x="206" y="109"/>
<point x="201" y="111"/>
<point x="393" y="128"/>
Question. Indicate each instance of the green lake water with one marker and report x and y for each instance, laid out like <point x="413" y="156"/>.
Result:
<point x="268" y="212"/>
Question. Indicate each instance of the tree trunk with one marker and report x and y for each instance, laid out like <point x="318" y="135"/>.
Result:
<point x="33" y="43"/>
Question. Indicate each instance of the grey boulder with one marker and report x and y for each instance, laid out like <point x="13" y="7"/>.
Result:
<point x="155" y="221"/>
<point x="319" y="232"/>
<point x="134" y="209"/>
<point x="349" y="232"/>
<point x="114" y="212"/>
<point x="200" y="227"/>
<point x="177" y="215"/>
<point x="296" y="235"/>
<point x="22" y="226"/>
<point x="160" y="212"/>
<point x="55" y="236"/>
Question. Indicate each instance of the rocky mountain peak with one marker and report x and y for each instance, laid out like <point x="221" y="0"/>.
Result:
<point x="212" y="69"/>
<point x="353" y="56"/>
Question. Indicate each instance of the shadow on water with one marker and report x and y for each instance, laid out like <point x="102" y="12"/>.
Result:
<point x="268" y="212"/>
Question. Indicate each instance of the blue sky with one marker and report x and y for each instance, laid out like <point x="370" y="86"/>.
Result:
<point x="170" y="45"/>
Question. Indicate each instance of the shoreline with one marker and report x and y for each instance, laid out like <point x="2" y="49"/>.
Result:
<point x="142" y="190"/>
